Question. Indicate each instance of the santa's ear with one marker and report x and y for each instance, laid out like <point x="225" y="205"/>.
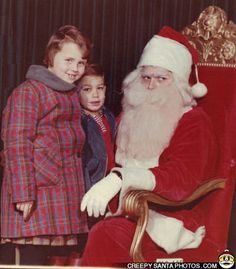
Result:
<point x="130" y="77"/>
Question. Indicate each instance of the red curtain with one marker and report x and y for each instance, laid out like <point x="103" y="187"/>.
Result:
<point x="119" y="29"/>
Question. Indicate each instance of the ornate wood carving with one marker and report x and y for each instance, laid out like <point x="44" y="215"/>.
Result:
<point x="213" y="36"/>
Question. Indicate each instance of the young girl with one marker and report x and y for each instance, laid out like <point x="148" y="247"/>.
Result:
<point x="99" y="126"/>
<point x="43" y="180"/>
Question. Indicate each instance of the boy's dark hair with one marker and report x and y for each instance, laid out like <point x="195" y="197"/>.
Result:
<point x="93" y="70"/>
<point x="66" y="33"/>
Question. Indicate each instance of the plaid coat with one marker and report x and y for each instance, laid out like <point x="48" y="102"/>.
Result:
<point x="43" y="140"/>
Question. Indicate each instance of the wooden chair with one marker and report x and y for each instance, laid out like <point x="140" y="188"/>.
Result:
<point x="215" y="40"/>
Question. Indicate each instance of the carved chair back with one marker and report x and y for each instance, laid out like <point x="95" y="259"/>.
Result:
<point x="215" y="40"/>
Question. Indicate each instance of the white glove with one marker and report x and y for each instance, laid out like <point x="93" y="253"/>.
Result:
<point x="98" y="197"/>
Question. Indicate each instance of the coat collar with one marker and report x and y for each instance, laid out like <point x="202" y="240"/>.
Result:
<point x="42" y="74"/>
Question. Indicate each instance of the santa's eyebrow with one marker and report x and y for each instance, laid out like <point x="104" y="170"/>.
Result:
<point x="156" y="74"/>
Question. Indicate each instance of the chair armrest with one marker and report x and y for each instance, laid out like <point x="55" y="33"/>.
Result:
<point x="135" y="204"/>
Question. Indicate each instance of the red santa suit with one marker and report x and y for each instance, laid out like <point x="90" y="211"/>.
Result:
<point x="173" y="166"/>
<point x="183" y="165"/>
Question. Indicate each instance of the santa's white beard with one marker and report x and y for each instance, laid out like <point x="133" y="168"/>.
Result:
<point x="148" y="121"/>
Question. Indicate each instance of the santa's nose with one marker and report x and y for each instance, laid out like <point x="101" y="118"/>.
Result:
<point x="152" y="84"/>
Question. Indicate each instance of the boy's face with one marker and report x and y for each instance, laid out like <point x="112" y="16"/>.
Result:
<point x="68" y="63"/>
<point x="92" y="93"/>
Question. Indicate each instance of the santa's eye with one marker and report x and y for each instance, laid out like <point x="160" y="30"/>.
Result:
<point x="161" y="78"/>
<point x="146" y="77"/>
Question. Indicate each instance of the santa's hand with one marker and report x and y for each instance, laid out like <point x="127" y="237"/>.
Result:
<point x="98" y="197"/>
<point x="26" y="208"/>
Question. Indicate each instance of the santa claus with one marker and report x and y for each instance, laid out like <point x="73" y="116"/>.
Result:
<point x="165" y="145"/>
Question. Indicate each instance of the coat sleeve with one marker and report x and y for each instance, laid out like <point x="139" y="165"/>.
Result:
<point x="189" y="159"/>
<point x="19" y="131"/>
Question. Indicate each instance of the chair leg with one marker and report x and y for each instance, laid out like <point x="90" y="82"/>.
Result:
<point x="17" y="255"/>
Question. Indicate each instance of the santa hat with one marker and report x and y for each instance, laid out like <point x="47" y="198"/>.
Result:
<point x="172" y="51"/>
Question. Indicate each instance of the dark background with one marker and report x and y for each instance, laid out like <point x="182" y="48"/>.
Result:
<point x="118" y="29"/>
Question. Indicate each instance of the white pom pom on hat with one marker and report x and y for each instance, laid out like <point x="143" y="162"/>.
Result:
<point x="171" y="50"/>
<point x="198" y="89"/>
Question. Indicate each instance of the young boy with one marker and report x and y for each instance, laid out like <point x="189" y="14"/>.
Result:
<point x="99" y="126"/>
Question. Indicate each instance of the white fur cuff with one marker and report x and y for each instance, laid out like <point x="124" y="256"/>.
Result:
<point x="137" y="179"/>
<point x="170" y="233"/>
<point x="134" y="179"/>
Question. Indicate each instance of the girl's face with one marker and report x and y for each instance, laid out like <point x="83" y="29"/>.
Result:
<point x="92" y="93"/>
<point x="68" y="63"/>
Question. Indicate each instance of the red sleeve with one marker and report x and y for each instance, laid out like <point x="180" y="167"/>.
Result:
<point x="107" y="137"/>
<point x="189" y="159"/>
<point x="118" y="118"/>
<point x="19" y="130"/>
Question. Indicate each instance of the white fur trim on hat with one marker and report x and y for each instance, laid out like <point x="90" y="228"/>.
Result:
<point x="169" y="54"/>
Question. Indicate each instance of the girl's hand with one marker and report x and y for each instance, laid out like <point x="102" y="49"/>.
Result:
<point x="25" y="208"/>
